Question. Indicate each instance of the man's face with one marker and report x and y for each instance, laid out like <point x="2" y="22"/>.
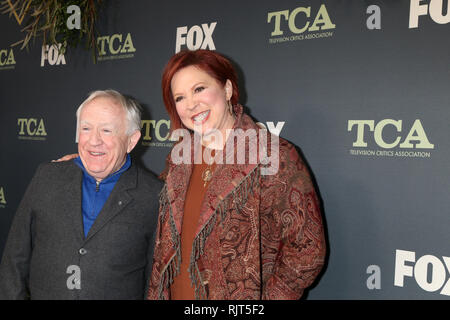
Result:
<point x="103" y="142"/>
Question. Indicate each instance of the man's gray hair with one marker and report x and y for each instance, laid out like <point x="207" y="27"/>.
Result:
<point x="131" y="107"/>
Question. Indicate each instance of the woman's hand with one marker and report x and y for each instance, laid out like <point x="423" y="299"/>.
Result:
<point x="67" y="157"/>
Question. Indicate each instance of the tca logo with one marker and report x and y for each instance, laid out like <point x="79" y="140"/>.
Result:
<point x="31" y="127"/>
<point x="147" y="125"/>
<point x="196" y="37"/>
<point x="115" y="44"/>
<point x="416" y="134"/>
<point x="53" y="55"/>
<point x="7" y="58"/>
<point x="429" y="271"/>
<point x="434" y="9"/>
<point x="321" y="21"/>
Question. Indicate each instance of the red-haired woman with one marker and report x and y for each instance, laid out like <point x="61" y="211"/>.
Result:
<point x="230" y="229"/>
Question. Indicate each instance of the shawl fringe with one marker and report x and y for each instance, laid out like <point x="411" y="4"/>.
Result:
<point x="172" y="269"/>
<point x="237" y="199"/>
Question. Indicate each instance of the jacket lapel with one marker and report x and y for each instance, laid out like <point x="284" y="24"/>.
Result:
<point x="227" y="177"/>
<point x="177" y="184"/>
<point x="225" y="180"/>
<point x="72" y="204"/>
<point x="117" y="200"/>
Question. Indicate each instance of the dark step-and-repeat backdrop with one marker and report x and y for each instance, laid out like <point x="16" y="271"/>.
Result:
<point x="361" y="87"/>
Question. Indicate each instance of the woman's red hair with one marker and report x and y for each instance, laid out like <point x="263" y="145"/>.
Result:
<point x="213" y="63"/>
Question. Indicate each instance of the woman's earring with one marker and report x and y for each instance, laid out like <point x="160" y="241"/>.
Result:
<point x="230" y="106"/>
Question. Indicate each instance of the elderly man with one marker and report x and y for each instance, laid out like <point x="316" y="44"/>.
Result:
<point x="85" y="228"/>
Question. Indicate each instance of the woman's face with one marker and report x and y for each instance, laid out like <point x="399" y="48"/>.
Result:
<point x="201" y="101"/>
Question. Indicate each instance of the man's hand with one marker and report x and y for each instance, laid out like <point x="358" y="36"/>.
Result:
<point x="67" y="157"/>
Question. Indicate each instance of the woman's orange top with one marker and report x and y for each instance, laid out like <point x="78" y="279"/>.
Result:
<point x="181" y="288"/>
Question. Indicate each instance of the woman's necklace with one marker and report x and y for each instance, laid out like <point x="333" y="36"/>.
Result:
<point x="208" y="156"/>
<point x="208" y="172"/>
<point x="207" y="175"/>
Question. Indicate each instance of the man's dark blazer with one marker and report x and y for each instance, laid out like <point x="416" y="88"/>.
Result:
<point x="46" y="243"/>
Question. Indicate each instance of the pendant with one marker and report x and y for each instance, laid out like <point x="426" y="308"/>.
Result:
<point x="206" y="176"/>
